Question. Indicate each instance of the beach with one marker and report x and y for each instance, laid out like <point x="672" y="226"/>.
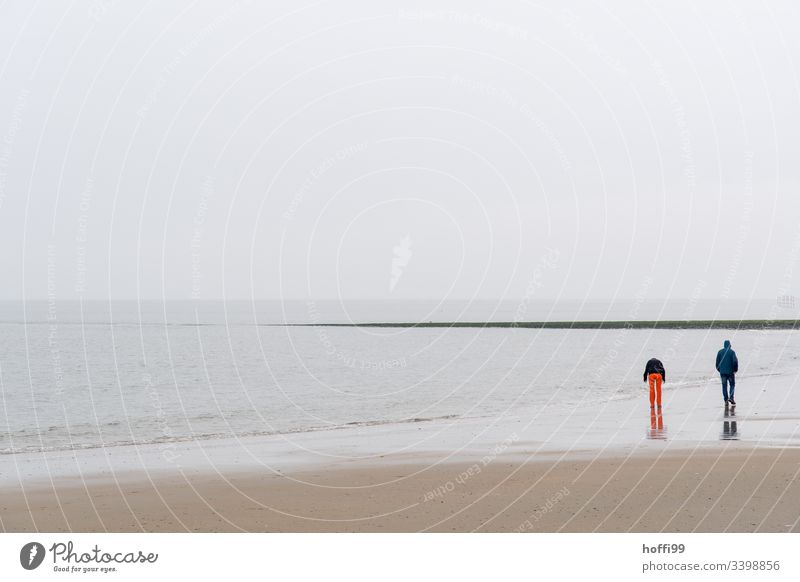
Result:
<point x="724" y="490"/>
<point x="731" y="490"/>
<point x="608" y="467"/>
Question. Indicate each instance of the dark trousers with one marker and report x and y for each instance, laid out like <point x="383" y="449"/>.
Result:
<point x="726" y="380"/>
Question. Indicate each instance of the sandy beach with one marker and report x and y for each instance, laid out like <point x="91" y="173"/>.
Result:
<point x="729" y="489"/>
<point x="615" y="468"/>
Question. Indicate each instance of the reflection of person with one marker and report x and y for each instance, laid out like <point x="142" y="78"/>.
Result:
<point x="654" y="374"/>
<point x="727" y="366"/>
<point x="657" y="430"/>
<point x="729" y="429"/>
<point x="656" y="422"/>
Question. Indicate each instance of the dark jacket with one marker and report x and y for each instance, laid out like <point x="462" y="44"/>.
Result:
<point x="727" y="362"/>
<point x="655" y="366"/>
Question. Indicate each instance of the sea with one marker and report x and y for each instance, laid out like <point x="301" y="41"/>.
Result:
<point x="88" y="374"/>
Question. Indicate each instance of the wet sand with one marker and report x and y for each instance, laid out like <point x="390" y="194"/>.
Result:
<point x="727" y="489"/>
<point x="613" y="467"/>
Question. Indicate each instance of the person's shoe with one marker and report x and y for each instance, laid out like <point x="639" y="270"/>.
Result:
<point x="726" y="403"/>
<point x="732" y="401"/>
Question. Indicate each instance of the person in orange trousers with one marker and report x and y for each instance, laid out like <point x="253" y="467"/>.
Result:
<point x="655" y="375"/>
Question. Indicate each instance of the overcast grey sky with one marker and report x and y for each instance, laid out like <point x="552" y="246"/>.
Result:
<point x="362" y="150"/>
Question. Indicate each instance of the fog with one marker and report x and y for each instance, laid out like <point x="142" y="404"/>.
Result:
<point x="360" y="150"/>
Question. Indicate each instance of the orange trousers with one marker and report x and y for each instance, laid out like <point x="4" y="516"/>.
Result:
<point x="655" y="388"/>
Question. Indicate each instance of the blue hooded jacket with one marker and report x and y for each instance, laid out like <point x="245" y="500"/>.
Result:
<point x="727" y="362"/>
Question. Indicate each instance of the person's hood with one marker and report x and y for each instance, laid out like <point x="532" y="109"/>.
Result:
<point x="727" y="344"/>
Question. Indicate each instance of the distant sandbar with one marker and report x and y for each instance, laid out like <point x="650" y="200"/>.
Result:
<point x="744" y="324"/>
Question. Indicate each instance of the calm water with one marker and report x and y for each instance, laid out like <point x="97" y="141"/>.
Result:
<point x="107" y="376"/>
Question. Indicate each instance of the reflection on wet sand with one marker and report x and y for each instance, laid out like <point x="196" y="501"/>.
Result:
<point x="657" y="430"/>
<point x="730" y="432"/>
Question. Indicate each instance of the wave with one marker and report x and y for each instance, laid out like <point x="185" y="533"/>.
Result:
<point x="164" y="439"/>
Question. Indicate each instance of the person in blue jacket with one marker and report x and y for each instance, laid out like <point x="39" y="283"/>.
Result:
<point x="727" y="366"/>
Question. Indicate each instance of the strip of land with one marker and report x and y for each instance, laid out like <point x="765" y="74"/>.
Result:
<point x="739" y="324"/>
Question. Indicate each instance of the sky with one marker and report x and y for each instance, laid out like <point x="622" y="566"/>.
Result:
<point x="360" y="150"/>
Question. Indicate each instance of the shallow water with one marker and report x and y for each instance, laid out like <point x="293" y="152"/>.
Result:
<point x="67" y="384"/>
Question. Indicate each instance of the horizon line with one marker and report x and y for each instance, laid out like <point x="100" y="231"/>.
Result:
<point x="384" y="299"/>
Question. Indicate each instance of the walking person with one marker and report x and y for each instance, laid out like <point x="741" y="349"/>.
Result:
<point x="727" y="366"/>
<point x="655" y="375"/>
